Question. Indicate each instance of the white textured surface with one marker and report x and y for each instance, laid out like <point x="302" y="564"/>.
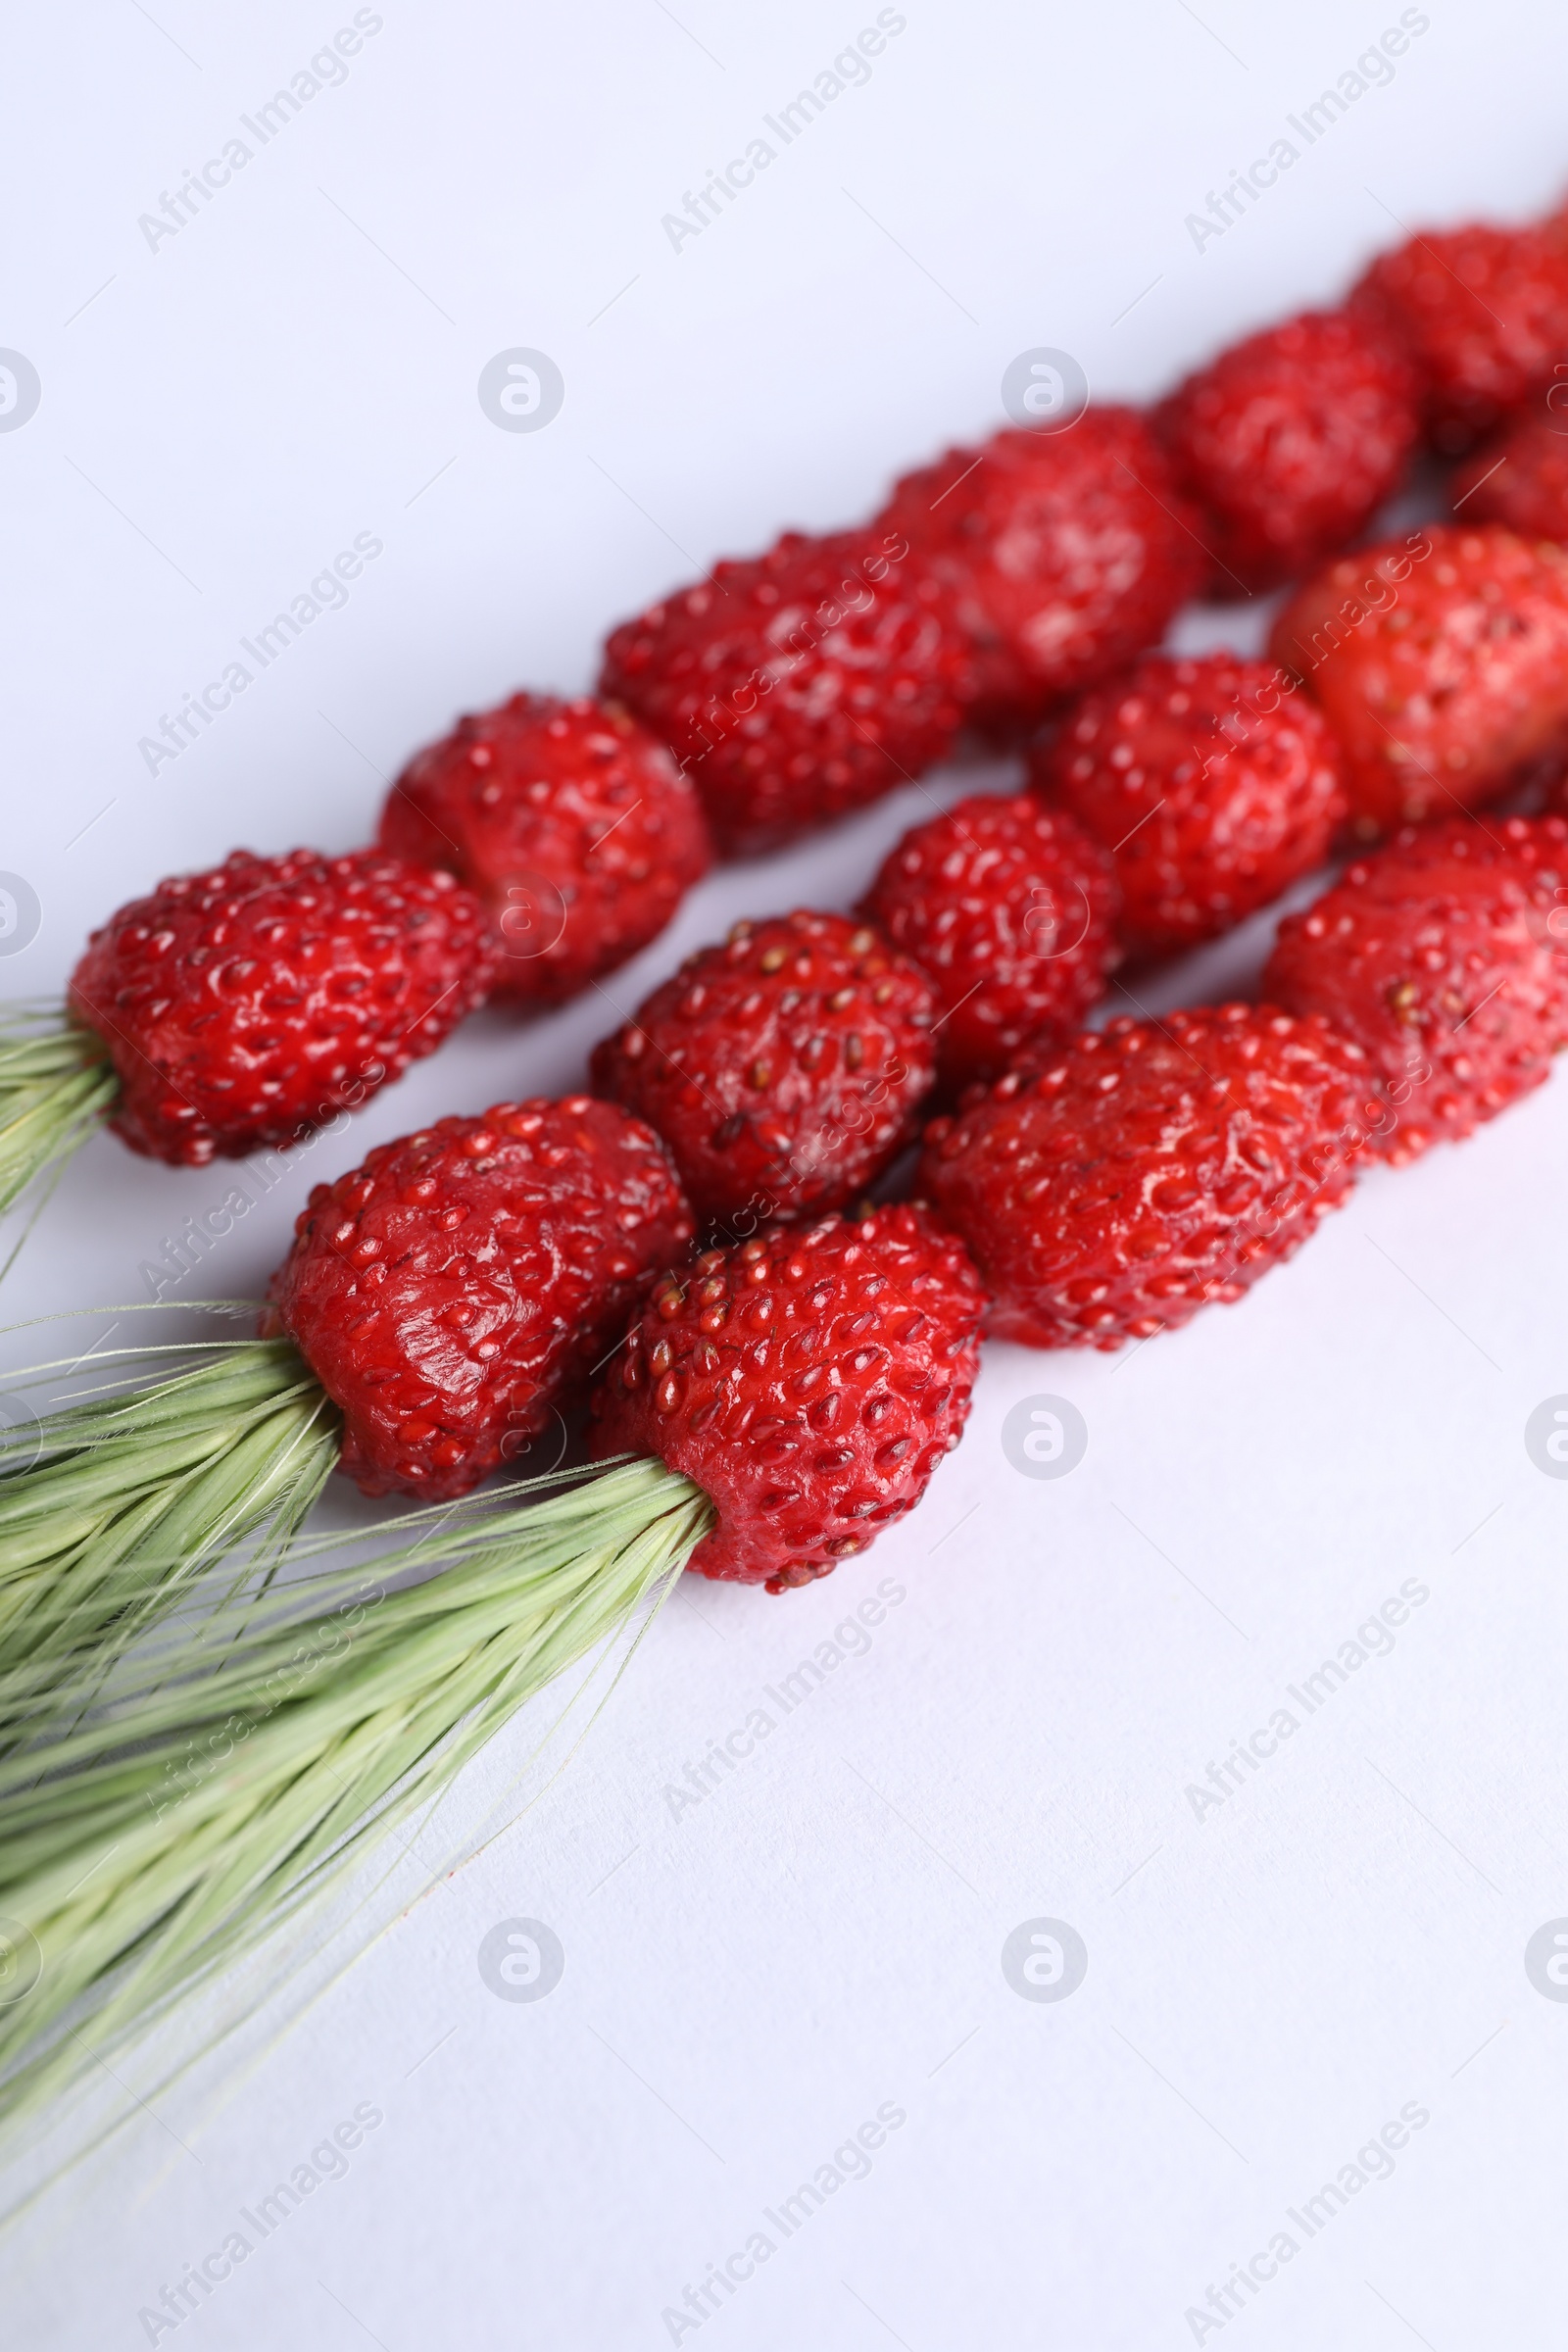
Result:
<point x="1268" y="1984"/>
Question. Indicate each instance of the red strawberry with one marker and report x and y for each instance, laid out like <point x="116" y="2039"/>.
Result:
<point x="569" y="820"/>
<point x="809" y="1381"/>
<point x="244" y="1006"/>
<point x="1109" y="1190"/>
<point x="1520" y="478"/>
<point x="1068" y="552"/>
<point x="1484" y="314"/>
<point x="1437" y="954"/>
<point x="1291" y="441"/>
<point x="1440" y="663"/>
<point x="783" y="1069"/>
<point x="799" y="685"/>
<point x="1007" y="908"/>
<point x="459" y="1287"/>
<point x="1212" y="791"/>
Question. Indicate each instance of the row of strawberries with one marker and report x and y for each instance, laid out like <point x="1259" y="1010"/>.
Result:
<point x="456" y="1291"/>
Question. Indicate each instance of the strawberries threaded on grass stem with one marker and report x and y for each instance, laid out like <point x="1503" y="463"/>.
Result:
<point x="784" y="1069"/>
<point x="454" y="1293"/>
<point x="1291" y="440"/>
<point x="798" y="685"/>
<point x="809" y="1382"/>
<point x="1211" y="785"/>
<point x="569" y="821"/>
<point x="1440" y="664"/>
<point x="1519" y="479"/>
<point x="1009" y="907"/>
<point x="1109" y="1189"/>
<point x="1066" y="553"/>
<point x="1483" y="312"/>
<point x="244" y="1006"/>
<point x="1445" y="955"/>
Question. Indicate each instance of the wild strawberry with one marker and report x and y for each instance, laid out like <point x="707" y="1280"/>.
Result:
<point x="244" y="1006"/>
<point x="1212" y="792"/>
<point x="1291" y="441"/>
<point x="569" y="820"/>
<point x="1445" y="955"/>
<point x="1109" y="1190"/>
<point x="1440" y="663"/>
<point x="798" y="685"/>
<point x="1484" y="314"/>
<point x="1007" y="908"/>
<point x="810" y="1382"/>
<point x="459" y="1287"/>
<point x="784" y="1069"/>
<point x="1520" y="478"/>
<point x="1068" y="553"/>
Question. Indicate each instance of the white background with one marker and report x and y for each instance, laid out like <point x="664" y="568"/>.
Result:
<point x="1266" y="1986"/>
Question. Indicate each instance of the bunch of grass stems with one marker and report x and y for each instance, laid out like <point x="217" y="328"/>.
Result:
<point x="56" y="1087"/>
<point x="193" y="1751"/>
<point x="115" y="1502"/>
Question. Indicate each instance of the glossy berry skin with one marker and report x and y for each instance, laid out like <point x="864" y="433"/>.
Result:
<point x="1067" y="553"/>
<point x="1008" y="909"/>
<point x="1291" y="441"/>
<point x="1445" y="955"/>
<point x="244" y="1006"/>
<point x="797" y="686"/>
<point x="809" y="1380"/>
<point x="1440" y="663"/>
<point x="572" y="824"/>
<point x="1520" y="478"/>
<point x="1109" y="1190"/>
<point x="783" y="1069"/>
<point x="456" y="1291"/>
<point x="1212" y="788"/>
<point x="1483" y="315"/>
